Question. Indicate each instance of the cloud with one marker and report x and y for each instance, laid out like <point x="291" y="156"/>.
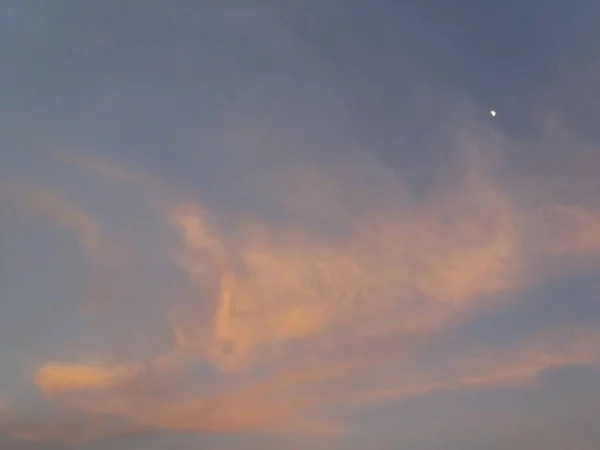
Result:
<point x="103" y="167"/>
<point x="283" y="322"/>
<point x="333" y="228"/>
<point x="68" y="428"/>
<point x="274" y="403"/>
<point x="55" y="377"/>
<point x="281" y="317"/>
<point x="408" y="270"/>
<point x="481" y="368"/>
<point x="298" y="399"/>
<point x="581" y="233"/>
<point x="60" y="210"/>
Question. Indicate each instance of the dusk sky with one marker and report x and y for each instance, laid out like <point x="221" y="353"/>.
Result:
<point x="295" y="224"/>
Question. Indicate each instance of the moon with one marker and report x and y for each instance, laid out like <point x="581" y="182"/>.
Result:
<point x="493" y="113"/>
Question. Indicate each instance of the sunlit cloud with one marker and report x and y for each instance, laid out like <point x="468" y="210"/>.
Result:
<point x="55" y="377"/>
<point x="265" y="261"/>
<point x="280" y="325"/>
<point x="404" y="270"/>
<point x="298" y="400"/>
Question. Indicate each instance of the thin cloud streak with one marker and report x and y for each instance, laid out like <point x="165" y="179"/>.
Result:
<point x="63" y="212"/>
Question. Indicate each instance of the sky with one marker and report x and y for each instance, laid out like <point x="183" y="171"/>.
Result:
<point x="269" y="224"/>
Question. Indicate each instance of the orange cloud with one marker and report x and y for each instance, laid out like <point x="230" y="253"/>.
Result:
<point x="408" y="270"/>
<point x="304" y="399"/>
<point x="53" y="378"/>
<point x="276" y="402"/>
<point x="289" y="320"/>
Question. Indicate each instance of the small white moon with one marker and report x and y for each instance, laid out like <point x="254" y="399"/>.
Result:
<point x="493" y="113"/>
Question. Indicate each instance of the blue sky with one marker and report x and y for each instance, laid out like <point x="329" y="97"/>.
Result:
<point x="294" y="224"/>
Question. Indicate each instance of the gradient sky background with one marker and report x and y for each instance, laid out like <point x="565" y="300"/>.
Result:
<point x="293" y="224"/>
